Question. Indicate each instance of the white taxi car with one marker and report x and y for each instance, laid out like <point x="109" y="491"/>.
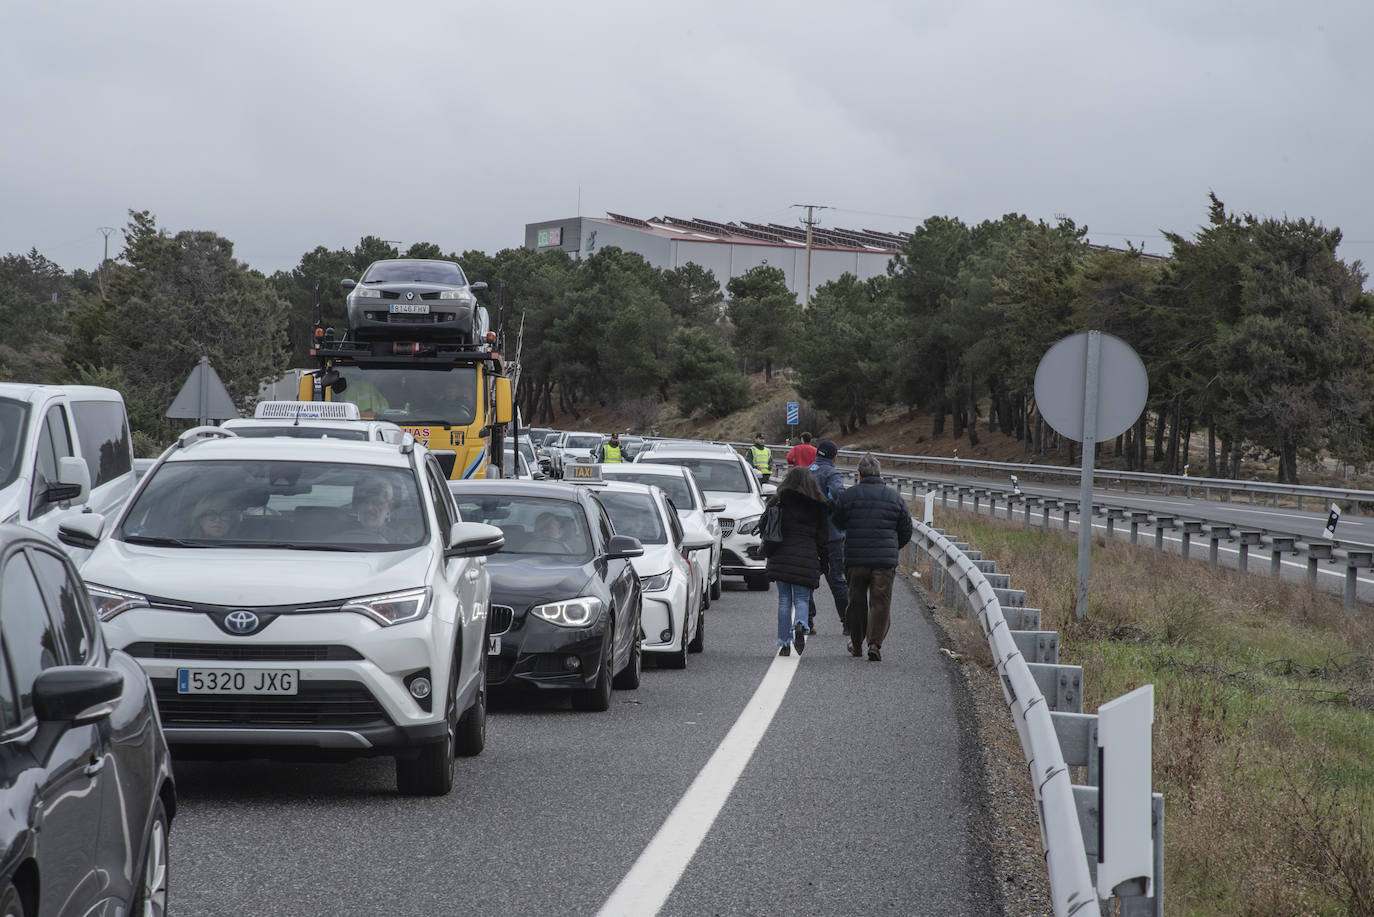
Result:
<point x="313" y="420"/>
<point x="289" y="597"/>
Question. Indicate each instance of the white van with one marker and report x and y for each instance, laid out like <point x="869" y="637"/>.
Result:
<point x="62" y="448"/>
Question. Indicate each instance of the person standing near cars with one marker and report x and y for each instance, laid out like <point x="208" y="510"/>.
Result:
<point x="877" y="524"/>
<point x="610" y="451"/>
<point x="796" y="562"/>
<point x="831" y="483"/>
<point x="803" y="453"/>
<point x="761" y="457"/>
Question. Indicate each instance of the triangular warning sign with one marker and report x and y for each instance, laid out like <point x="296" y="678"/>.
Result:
<point x="204" y="396"/>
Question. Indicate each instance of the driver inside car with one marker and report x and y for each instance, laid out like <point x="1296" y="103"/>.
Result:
<point x="373" y="502"/>
<point x="213" y="516"/>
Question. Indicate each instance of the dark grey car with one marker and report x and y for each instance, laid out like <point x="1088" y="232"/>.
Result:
<point x="86" y="794"/>
<point x="415" y="299"/>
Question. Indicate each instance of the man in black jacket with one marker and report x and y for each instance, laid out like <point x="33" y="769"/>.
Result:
<point x="877" y="524"/>
<point x="831" y="483"/>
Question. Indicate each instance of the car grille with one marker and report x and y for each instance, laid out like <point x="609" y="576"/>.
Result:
<point x="243" y="652"/>
<point x="727" y="526"/>
<point x="501" y="618"/>
<point x="320" y="705"/>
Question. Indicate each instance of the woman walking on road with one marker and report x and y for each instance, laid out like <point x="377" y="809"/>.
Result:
<point x="797" y="561"/>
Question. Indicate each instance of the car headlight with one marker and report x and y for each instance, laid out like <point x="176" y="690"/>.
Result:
<point x="749" y="525"/>
<point x="112" y="602"/>
<point x="460" y="295"/>
<point x="656" y="583"/>
<point x="572" y="613"/>
<point x="392" y="607"/>
<point x="366" y="293"/>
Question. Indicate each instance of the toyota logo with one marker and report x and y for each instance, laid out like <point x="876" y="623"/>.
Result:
<point x="410" y="296"/>
<point x="241" y="621"/>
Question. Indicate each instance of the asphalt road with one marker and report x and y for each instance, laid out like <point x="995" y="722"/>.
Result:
<point x="862" y="797"/>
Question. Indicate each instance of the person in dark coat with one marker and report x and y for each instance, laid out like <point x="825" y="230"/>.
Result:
<point x="797" y="562"/>
<point x="831" y="483"/>
<point x="876" y="524"/>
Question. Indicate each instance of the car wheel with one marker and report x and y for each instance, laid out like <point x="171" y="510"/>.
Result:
<point x="628" y="679"/>
<point x="430" y="773"/>
<point x="699" y="640"/>
<point x="472" y="728"/>
<point x="757" y="582"/>
<point x="150" y="900"/>
<point x="598" y="697"/>
<point x="715" y="587"/>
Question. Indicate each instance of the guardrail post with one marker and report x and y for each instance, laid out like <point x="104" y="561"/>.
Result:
<point x="1070" y="506"/>
<point x="1279" y="545"/>
<point x="1354" y="560"/>
<point x="1113" y="514"/>
<point x="1247" y="538"/>
<point x="992" y="504"/>
<point x="959" y="492"/>
<point x="1049" y="505"/>
<point x="1316" y="552"/>
<point x="1218" y="532"/>
<point x="1030" y="502"/>
<point x="1138" y="517"/>
<point x="1162" y="524"/>
<point x="1190" y="528"/>
<point x="1062" y="685"/>
<point x="1038" y="645"/>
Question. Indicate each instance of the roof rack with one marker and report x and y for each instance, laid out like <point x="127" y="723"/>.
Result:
<point x="196" y="434"/>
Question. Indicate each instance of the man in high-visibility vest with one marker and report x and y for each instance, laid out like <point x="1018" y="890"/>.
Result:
<point x="761" y="457"/>
<point x="610" y="451"/>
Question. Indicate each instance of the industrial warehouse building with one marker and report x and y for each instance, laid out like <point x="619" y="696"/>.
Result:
<point x="726" y="249"/>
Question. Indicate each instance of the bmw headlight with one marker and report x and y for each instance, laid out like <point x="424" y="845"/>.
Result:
<point x="392" y="607"/>
<point x="656" y="583"/>
<point x="571" y="613"/>
<point x="111" y="602"/>
<point x="460" y="295"/>
<point x="366" y="293"/>
<point x="749" y="525"/>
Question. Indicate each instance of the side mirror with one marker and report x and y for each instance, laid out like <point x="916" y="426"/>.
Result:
<point x="73" y="481"/>
<point x="698" y="542"/>
<point x="348" y="284"/>
<point x="474" y="539"/>
<point x="769" y="489"/>
<point x="624" y="546"/>
<point x="71" y="695"/>
<point x="82" y="530"/>
<point x="716" y="507"/>
<point x="478" y="287"/>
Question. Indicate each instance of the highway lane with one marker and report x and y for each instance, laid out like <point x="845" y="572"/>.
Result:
<point x="552" y="815"/>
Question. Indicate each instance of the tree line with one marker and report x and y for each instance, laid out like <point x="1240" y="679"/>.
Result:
<point x="1255" y="335"/>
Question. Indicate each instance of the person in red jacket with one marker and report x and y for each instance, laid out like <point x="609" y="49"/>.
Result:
<point x="803" y="454"/>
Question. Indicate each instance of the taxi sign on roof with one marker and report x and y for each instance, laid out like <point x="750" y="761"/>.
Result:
<point x="307" y="410"/>
<point x="582" y="474"/>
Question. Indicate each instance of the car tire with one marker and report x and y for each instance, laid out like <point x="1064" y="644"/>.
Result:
<point x="699" y="640"/>
<point x="472" y="728"/>
<point x="150" y="895"/>
<point x="715" y="587"/>
<point x="628" y="678"/>
<point x="597" y="699"/>
<point x="430" y="773"/>
<point x="756" y="582"/>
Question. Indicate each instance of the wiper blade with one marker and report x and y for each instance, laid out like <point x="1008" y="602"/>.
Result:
<point x="164" y="542"/>
<point x="290" y="545"/>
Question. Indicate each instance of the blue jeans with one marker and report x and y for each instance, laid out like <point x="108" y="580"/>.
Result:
<point x="794" y="604"/>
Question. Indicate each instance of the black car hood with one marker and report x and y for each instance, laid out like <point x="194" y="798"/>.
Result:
<point x="523" y="580"/>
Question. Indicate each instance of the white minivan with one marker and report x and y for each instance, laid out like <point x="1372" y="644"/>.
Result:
<point x="62" y="448"/>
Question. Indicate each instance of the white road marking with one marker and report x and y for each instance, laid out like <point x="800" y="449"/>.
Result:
<point x="652" y="878"/>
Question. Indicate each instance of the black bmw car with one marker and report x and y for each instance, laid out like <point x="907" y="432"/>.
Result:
<point x="86" y="794"/>
<point x="565" y="612"/>
<point x="426" y="299"/>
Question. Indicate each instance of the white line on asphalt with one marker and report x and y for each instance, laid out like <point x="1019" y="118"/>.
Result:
<point x="652" y="878"/>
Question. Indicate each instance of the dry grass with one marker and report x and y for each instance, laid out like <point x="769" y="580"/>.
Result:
<point x="1264" y="715"/>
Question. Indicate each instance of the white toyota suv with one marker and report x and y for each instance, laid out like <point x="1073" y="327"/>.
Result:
<point x="289" y="597"/>
<point x="725" y="477"/>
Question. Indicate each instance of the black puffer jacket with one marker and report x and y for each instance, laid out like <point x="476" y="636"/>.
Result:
<point x="801" y="555"/>
<point x="876" y="523"/>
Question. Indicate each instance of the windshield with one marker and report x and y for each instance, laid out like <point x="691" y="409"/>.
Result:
<point x="443" y="395"/>
<point x="720" y="475"/>
<point x="309" y="506"/>
<point x="634" y="515"/>
<point x="675" y="486"/>
<point x="302" y="431"/>
<point x="533" y="525"/>
<point x="415" y="271"/>
<point x="13" y="415"/>
<point x="583" y="441"/>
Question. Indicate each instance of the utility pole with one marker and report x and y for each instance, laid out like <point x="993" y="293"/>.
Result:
<point x="104" y="231"/>
<point x="810" y="221"/>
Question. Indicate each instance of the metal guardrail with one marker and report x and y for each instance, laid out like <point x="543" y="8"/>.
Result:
<point x="1071" y="887"/>
<point x="1167" y="482"/>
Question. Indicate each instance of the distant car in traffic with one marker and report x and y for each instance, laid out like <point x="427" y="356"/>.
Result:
<point x="430" y="298"/>
<point x="566" y="601"/>
<point x="87" y="778"/>
<point x="573" y="447"/>
<point x="291" y="599"/>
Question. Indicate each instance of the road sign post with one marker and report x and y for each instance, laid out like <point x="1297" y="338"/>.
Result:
<point x="793" y="415"/>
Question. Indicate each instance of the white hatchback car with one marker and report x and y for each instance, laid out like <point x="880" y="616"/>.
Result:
<point x="290" y="597"/>
<point x="724" y="475"/>
<point x="674" y="596"/>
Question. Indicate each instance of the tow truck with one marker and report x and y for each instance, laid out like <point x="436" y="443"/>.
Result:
<point x="454" y="394"/>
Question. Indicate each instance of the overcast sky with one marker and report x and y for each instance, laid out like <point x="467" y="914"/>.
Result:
<point x="285" y="124"/>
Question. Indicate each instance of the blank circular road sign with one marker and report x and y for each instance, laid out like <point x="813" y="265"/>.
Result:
<point x="1121" y="388"/>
